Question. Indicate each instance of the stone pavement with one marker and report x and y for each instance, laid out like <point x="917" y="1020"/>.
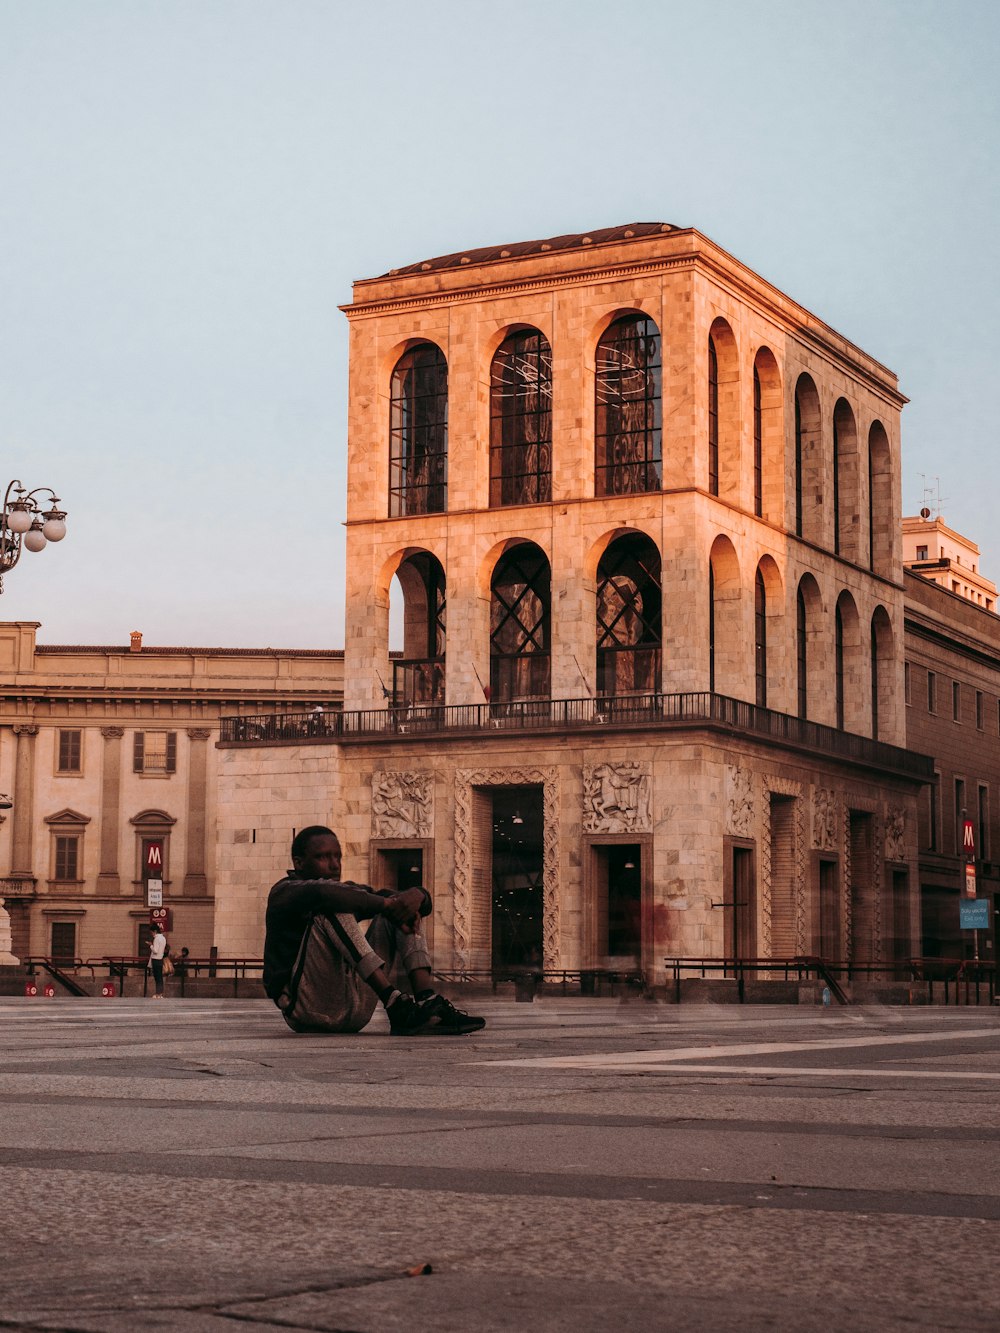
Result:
<point x="580" y="1165"/>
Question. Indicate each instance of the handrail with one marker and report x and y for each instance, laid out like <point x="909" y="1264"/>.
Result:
<point x="631" y="711"/>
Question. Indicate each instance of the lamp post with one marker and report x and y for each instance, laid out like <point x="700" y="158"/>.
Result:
<point x="25" y="523"/>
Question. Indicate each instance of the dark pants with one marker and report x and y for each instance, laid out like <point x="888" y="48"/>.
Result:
<point x="157" y="966"/>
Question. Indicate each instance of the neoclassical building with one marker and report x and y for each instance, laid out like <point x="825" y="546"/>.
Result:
<point x="642" y="512"/>
<point x="108" y="758"/>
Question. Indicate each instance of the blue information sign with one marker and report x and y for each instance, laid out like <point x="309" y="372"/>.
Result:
<point x="974" y="914"/>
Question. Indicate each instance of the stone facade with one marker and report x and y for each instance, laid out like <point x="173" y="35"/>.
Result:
<point x="752" y="795"/>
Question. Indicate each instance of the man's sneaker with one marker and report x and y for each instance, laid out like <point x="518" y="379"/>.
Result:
<point x="444" y="1019"/>
<point x="433" y="1017"/>
<point x="406" y="1016"/>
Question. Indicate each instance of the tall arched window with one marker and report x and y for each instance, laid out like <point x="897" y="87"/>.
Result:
<point x="713" y="419"/>
<point x="801" y="654"/>
<point x="419" y="675"/>
<point x="519" y="625"/>
<point x="760" y="639"/>
<point x="521" y="420"/>
<point x="418" y="432"/>
<point x="758" y="447"/>
<point x="711" y="627"/>
<point x="836" y="485"/>
<point x="838" y="665"/>
<point x="628" y="407"/>
<point x="629" y="628"/>
<point x="874" y="680"/>
<point x="798" y="466"/>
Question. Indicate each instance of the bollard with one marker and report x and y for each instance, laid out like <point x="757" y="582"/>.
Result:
<point x="108" y="990"/>
<point x="49" y="991"/>
<point x="30" y="988"/>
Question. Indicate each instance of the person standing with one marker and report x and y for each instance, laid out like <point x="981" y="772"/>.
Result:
<point x="157" y="949"/>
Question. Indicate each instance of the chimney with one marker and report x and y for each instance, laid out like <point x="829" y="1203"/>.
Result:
<point x="135" y="641"/>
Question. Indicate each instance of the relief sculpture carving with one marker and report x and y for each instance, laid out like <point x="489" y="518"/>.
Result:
<point x="616" y="798"/>
<point x="824" y="818"/>
<point x="895" y="835"/>
<point x="739" y="802"/>
<point x="401" y="805"/>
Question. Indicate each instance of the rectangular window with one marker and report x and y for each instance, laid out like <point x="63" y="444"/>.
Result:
<point x="155" y="752"/>
<point x="956" y="701"/>
<point x="979" y="709"/>
<point x="933" y="841"/>
<point x="983" y="850"/>
<point x="67" y="857"/>
<point x="931" y="692"/>
<point x="959" y="813"/>
<point x="921" y="552"/>
<point x="906" y="682"/>
<point x="70" y="751"/>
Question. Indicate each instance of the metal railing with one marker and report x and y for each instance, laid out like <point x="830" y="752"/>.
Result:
<point x="632" y="711"/>
<point x="951" y="980"/>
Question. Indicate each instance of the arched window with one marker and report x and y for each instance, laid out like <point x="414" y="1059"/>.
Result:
<point x="874" y="680"/>
<point x="419" y="675"/>
<point x="628" y="406"/>
<point x="798" y="466"/>
<point x="760" y="639"/>
<point x="838" y="666"/>
<point x="713" y="419"/>
<point x="836" y="485"/>
<point x="418" y="432"/>
<point x="758" y="447"/>
<point x="521" y="420"/>
<point x="711" y="628"/>
<point x="811" y="472"/>
<point x="519" y="625"/>
<point x="801" y="654"/>
<point x="882" y="520"/>
<point x="629" y="628"/>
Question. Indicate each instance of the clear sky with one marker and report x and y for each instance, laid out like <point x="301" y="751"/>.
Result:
<point x="188" y="188"/>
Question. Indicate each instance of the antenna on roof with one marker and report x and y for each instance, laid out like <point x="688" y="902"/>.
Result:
<point x="933" y="499"/>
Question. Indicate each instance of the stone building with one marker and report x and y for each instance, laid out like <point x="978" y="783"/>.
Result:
<point x="643" y="511"/>
<point x="953" y="713"/>
<point x="108" y="756"/>
<point x="945" y="557"/>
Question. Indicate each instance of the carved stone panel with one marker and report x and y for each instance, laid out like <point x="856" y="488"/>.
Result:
<point x="616" y="798"/>
<point x="824" y="818"/>
<point x="739" y="802"/>
<point x="402" y="805"/>
<point x="895" y="835"/>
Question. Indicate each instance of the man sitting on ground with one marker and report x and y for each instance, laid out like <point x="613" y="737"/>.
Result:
<point x="325" y="973"/>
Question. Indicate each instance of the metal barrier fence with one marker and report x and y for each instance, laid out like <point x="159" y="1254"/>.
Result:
<point x="948" y="980"/>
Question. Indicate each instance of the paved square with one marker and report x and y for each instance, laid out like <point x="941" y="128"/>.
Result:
<point x="580" y="1165"/>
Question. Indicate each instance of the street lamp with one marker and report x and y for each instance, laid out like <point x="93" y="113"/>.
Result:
<point x="25" y="522"/>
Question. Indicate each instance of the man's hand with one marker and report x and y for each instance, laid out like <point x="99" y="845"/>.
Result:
<point x="403" y="909"/>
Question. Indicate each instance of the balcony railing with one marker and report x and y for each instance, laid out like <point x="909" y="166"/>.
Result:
<point x="17" y="887"/>
<point x="645" y="711"/>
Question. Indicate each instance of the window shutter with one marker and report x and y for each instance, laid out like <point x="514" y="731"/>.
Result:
<point x="171" y="751"/>
<point x="137" y="752"/>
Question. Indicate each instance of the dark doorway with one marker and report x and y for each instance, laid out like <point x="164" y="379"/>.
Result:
<point x="403" y="868"/>
<point x="518" y="893"/>
<point x="900" y="907"/>
<point x="828" y="945"/>
<point x="863" y="946"/>
<point x="63" y="943"/>
<point x="741" y="905"/>
<point x="618" y="935"/>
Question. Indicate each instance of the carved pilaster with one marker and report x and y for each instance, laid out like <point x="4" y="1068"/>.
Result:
<point x="108" y="879"/>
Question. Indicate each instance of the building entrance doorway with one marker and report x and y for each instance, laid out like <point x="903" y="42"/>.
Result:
<point x="517" y="878"/>
<point x="401" y="868"/>
<point x="618" y="941"/>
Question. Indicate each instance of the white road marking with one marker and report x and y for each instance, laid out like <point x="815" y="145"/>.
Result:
<point x="806" y="1071"/>
<point x="657" y="1058"/>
